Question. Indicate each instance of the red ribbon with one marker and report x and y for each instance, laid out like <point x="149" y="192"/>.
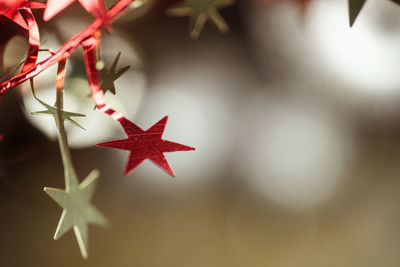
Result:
<point x="90" y="50"/>
<point x="34" y="40"/>
<point x="67" y="49"/>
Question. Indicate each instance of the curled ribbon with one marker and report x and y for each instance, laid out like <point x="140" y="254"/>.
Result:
<point x="90" y="51"/>
<point x="67" y="49"/>
<point x="34" y="40"/>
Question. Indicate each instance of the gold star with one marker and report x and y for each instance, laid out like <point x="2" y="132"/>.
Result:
<point x="111" y="75"/>
<point x="200" y="11"/>
<point x="50" y="110"/>
<point x="78" y="211"/>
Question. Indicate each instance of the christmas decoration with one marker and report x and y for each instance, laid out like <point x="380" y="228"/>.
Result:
<point x="11" y="9"/>
<point x="77" y="209"/>
<point x="78" y="212"/>
<point x="200" y="11"/>
<point x="146" y="145"/>
<point x="75" y="199"/>
<point x="109" y="76"/>
<point x="224" y="113"/>
<point x="67" y="49"/>
<point x="52" y="111"/>
<point x="53" y="7"/>
<point x="355" y="7"/>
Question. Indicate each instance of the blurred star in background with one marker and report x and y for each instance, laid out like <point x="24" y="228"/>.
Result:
<point x="296" y="123"/>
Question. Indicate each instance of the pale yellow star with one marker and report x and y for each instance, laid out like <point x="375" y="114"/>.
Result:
<point x="78" y="211"/>
<point x="52" y="111"/>
<point x="200" y="11"/>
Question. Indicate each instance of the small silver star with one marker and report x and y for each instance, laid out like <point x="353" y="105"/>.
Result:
<point x="78" y="212"/>
<point x="52" y="111"/>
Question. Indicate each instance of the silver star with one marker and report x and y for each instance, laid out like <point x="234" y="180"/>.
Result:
<point x="200" y="11"/>
<point x="78" y="212"/>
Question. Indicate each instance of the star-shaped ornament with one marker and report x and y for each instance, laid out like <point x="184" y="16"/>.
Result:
<point x="146" y="145"/>
<point x="53" y="7"/>
<point x="53" y="111"/>
<point x="200" y="11"/>
<point x="78" y="212"/>
<point x="109" y="76"/>
<point x="11" y="8"/>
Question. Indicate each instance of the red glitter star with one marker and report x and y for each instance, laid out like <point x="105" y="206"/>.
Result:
<point x="146" y="145"/>
<point x="53" y="7"/>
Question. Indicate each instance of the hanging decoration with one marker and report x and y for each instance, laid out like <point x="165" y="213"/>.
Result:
<point x="78" y="211"/>
<point x="75" y="200"/>
<point x="109" y="76"/>
<point x="53" y="7"/>
<point x="146" y="145"/>
<point x="200" y="11"/>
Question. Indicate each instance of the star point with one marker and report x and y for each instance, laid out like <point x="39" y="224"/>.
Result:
<point x="109" y="76"/>
<point x="52" y="111"/>
<point x="53" y="7"/>
<point x="200" y="11"/>
<point x="78" y="212"/>
<point x="146" y="145"/>
<point x="355" y="7"/>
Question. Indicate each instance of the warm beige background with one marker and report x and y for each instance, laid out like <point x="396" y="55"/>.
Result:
<point x="211" y="214"/>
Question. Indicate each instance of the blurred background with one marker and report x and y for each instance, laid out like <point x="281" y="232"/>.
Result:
<point x="295" y="118"/>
